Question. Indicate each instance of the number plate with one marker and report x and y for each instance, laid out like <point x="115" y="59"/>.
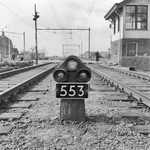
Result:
<point x="72" y="90"/>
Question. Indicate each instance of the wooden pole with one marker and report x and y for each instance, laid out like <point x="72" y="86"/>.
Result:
<point x="36" y="49"/>
<point x="72" y="109"/>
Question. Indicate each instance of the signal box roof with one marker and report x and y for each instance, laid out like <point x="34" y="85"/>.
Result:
<point x="116" y="7"/>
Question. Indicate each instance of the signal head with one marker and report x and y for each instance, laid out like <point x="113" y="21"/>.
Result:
<point x="72" y="70"/>
<point x="71" y="64"/>
<point x="60" y="75"/>
<point x="83" y="75"/>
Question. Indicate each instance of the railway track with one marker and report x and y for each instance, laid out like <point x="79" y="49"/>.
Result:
<point x="19" y="79"/>
<point x="8" y="73"/>
<point x="14" y="88"/>
<point x="129" y="87"/>
<point x="134" y="84"/>
<point x="39" y="126"/>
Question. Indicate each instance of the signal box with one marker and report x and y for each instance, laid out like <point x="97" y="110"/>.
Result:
<point x="72" y="87"/>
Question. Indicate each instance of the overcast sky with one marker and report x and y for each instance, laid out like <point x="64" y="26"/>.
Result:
<point x="17" y="16"/>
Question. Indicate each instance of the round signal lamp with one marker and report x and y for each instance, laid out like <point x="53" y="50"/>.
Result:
<point x="83" y="76"/>
<point x="60" y="76"/>
<point x="71" y="65"/>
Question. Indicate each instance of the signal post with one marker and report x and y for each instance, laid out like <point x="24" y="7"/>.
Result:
<point x="36" y="16"/>
<point x="72" y="88"/>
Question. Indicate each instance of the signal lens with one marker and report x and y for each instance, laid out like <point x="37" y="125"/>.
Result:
<point x="72" y="65"/>
<point x="83" y="76"/>
<point x="60" y="76"/>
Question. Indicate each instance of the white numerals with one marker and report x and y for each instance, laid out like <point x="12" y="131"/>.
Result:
<point x="72" y="90"/>
<point x="81" y="90"/>
<point x="63" y="90"/>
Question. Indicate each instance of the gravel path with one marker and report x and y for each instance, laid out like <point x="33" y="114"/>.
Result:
<point x="41" y="129"/>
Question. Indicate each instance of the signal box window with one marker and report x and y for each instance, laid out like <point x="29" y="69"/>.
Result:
<point x="114" y="26"/>
<point x="131" y="48"/>
<point x="136" y="17"/>
<point x="118" y="23"/>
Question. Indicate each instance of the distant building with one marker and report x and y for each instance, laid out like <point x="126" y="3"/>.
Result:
<point x="41" y="56"/>
<point x="68" y="52"/>
<point x="104" y="54"/>
<point x="130" y="25"/>
<point x="85" y="55"/>
<point x="29" y="55"/>
<point x="5" y="42"/>
<point x="32" y="56"/>
<point x="54" y="57"/>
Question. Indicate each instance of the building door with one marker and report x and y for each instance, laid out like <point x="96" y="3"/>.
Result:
<point x="131" y="48"/>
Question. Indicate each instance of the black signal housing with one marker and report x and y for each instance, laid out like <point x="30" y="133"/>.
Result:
<point x="72" y="70"/>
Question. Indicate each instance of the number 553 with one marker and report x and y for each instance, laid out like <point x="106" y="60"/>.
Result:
<point x="72" y="90"/>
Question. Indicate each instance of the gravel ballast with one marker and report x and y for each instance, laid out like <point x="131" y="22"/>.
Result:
<point x="41" y="129"/>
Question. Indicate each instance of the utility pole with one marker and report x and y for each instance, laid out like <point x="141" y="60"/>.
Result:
<point x="9" y="47"/>
<point x="81" y="49"/>
<point x="35" y="19"/>
<point x="24" y="43"/>
<point x="89" y="44"/>
<point x="63" y="51"/>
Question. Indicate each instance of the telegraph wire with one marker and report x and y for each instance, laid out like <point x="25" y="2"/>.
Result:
<point x="25" y="21"/>
<point x="23" y="11"/>
<point x="86" y="14"/>
<point x="89" y="13"/>
<point x="56" y="16"/>
<point x="19" y="8"/>
<point x="86" y="19"/>
<point x="17" y="15"/>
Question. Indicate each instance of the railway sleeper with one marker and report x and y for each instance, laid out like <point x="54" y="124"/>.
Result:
<point x="139" y="104"/>
<point x="8" y="97"/>
<point x="142" y="129"/>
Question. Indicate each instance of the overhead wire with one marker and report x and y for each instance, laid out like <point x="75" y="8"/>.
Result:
<point x="22" y="10"/>
<point x="23" y="19"/>
<point x="89" y="13"/>
<point x="19" y="9"/>
<point x="56" y="16"/>
<point x="89" y="10"/>
<point x="17" y="15"/>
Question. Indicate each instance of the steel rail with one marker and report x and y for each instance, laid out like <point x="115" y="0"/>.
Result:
<point x="16" y="71"/>
<point x="5" y="70"/>
<point x="122" y="87"/>
<point x="4" y="96"/>
<point x="135" y="74"/>
<point x="128" y="72"/>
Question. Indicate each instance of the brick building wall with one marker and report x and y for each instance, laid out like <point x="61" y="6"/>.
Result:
<point x="119" y="48"/>
<point x="4" y="46"/>
<point x="143" y="46"/>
